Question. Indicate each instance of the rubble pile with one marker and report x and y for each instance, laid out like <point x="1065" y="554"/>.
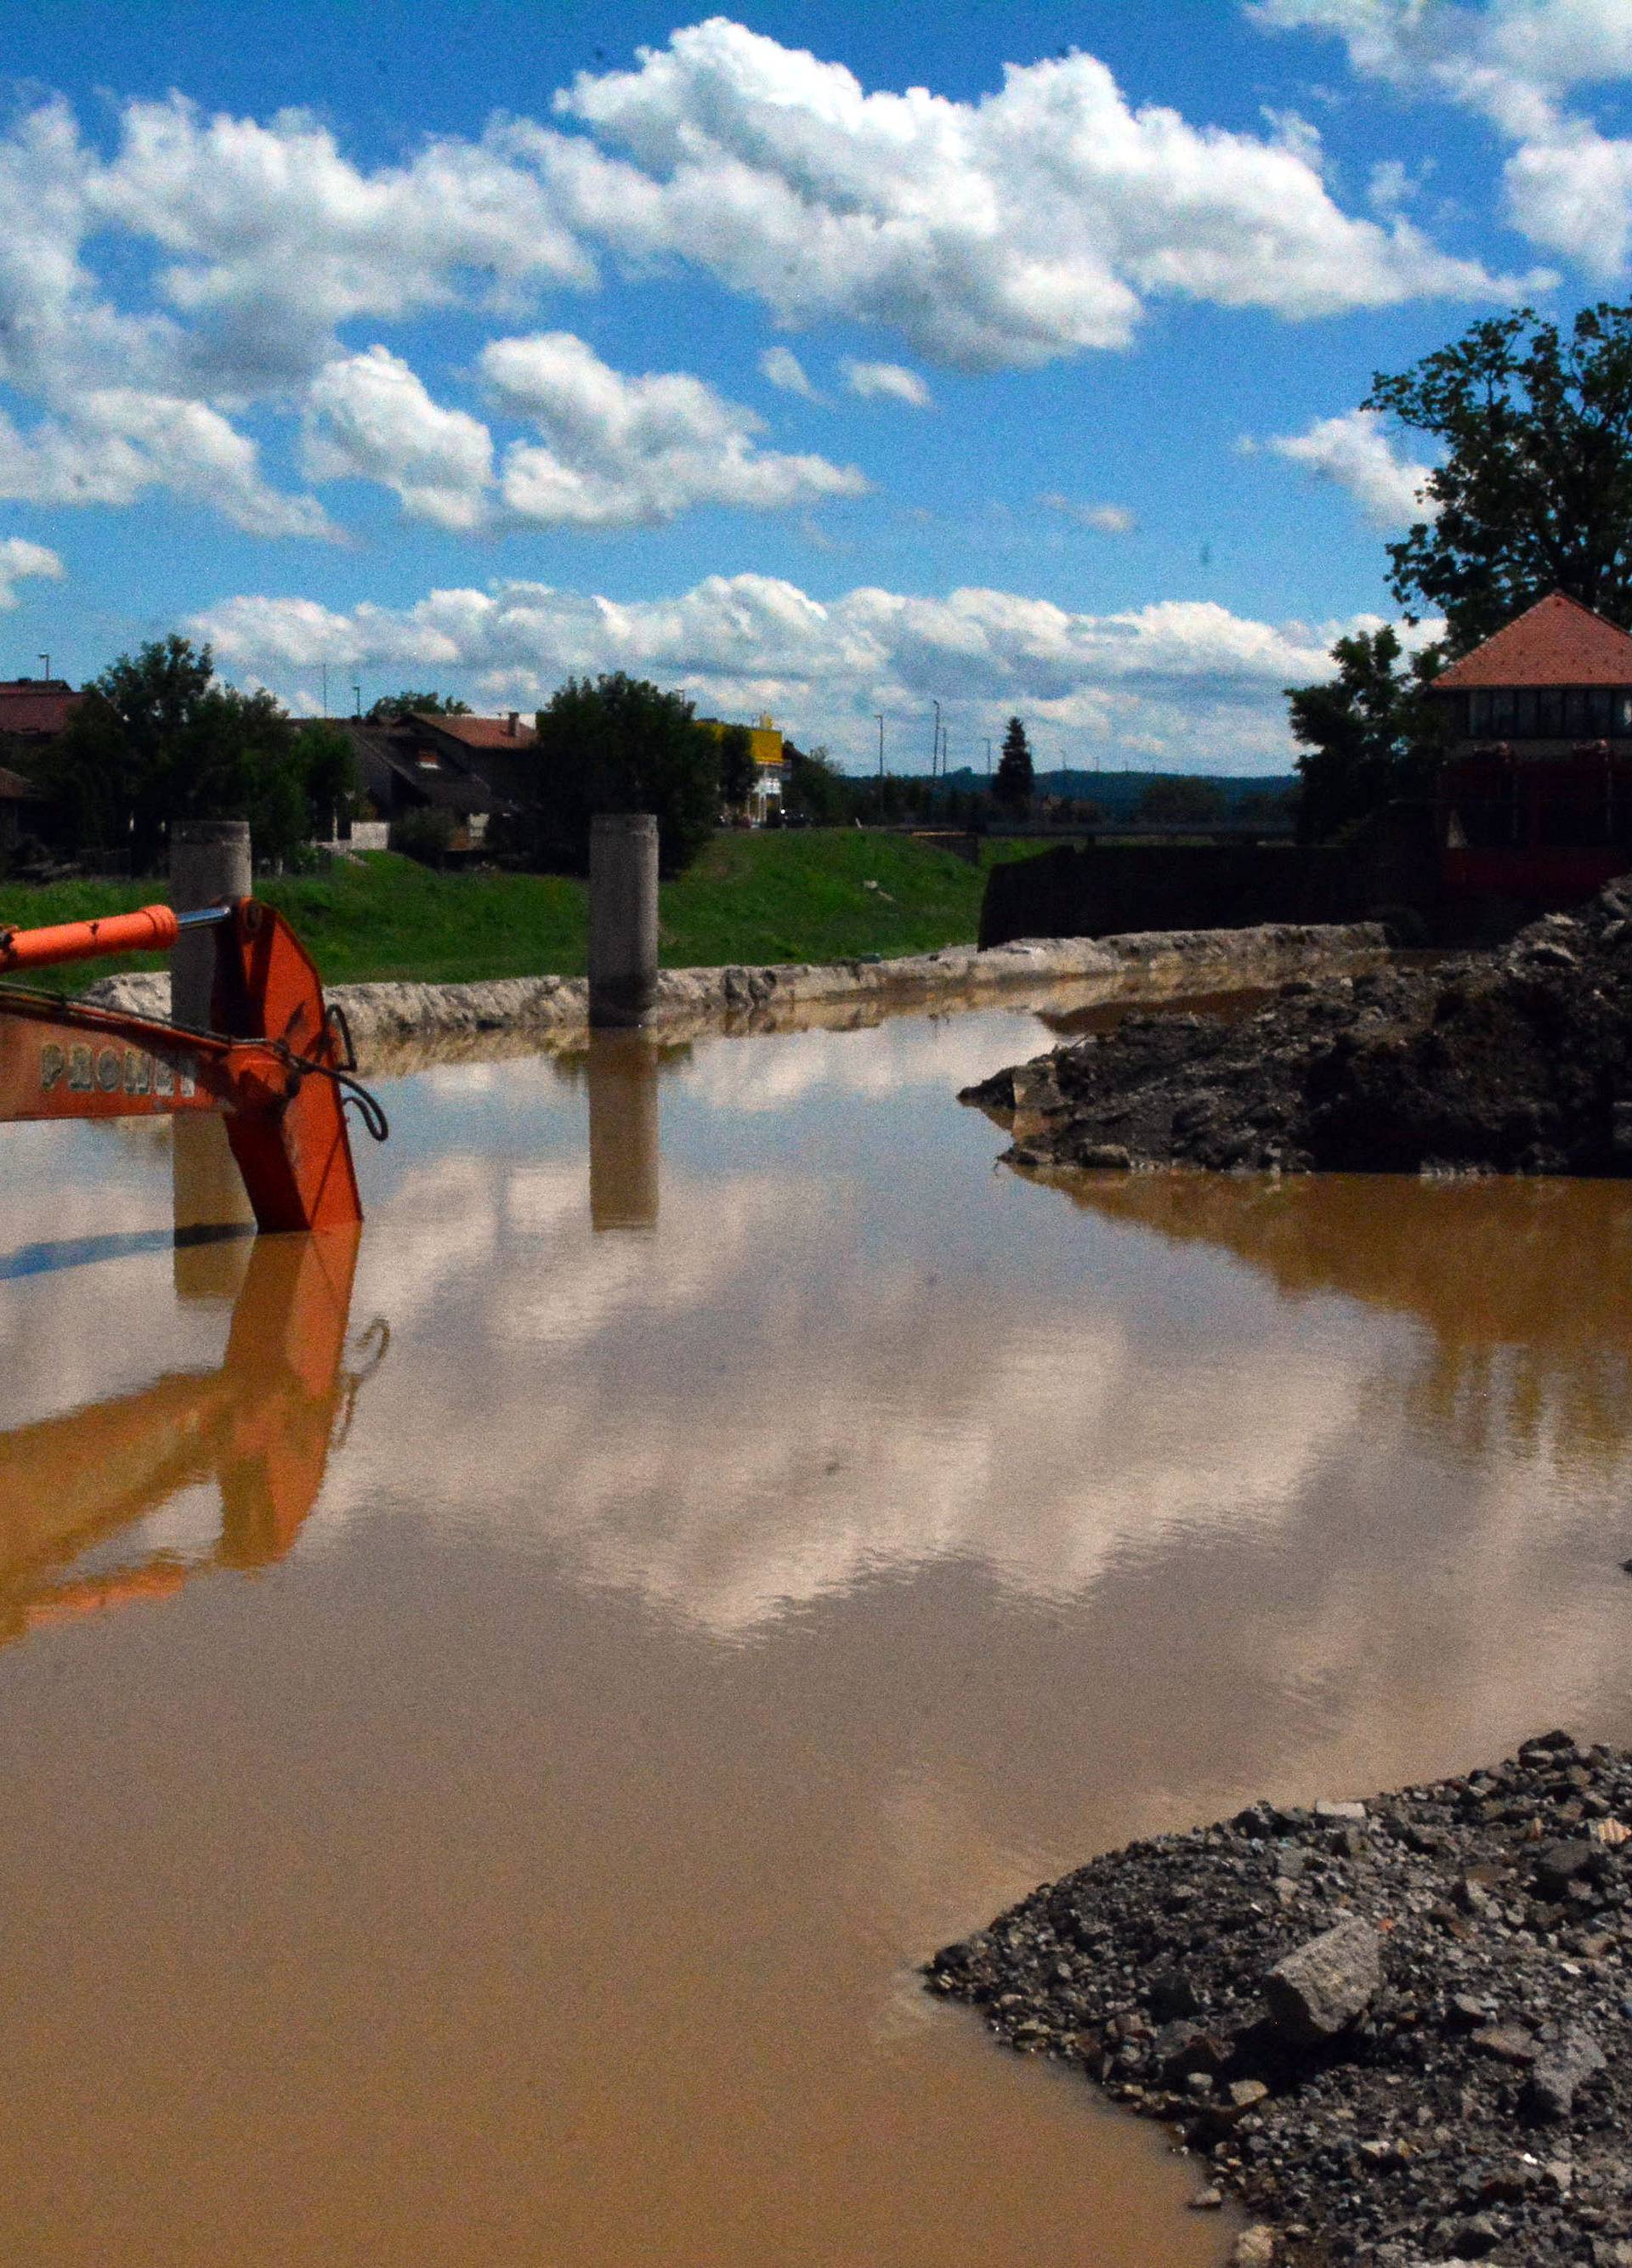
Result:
<point x="1399" y="2031"/>
<point x="1517" y="1062"/>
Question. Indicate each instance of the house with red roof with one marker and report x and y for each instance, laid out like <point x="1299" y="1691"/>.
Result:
<point x="34" y="710"/>
<point x="475" y="769"/>
<point x="1535" y="796"/>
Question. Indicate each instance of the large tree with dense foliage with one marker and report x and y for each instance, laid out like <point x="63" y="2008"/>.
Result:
<point x="737" y="768"/>
<point x="1534" y="493"/>
<point x="159" y="739"/>
<point x="619" y="743"/>
<point x="1015" y="780"/>
<point x="816" y="790"/>
<point x="1370" y="734"/>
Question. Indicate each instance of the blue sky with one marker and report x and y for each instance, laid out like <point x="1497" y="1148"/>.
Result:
<point x="823" y="359"/>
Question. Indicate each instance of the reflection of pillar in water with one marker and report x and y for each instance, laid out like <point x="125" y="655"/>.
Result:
<point x="623" y="1130"/>
<point x="214" y="1225"/>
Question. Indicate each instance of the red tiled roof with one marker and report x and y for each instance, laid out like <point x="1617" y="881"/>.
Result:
<point x="30" y="706"/>
<point x="1556" y="642"/>
<point x="480" y="732"/>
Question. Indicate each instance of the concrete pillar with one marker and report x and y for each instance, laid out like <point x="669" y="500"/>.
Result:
<point x="623" y="916"/>
<point x="209" y="861"/>
<point x="623" y="1131"/>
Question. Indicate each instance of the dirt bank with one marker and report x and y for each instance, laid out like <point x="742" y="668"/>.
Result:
<point x="774" y="998"/>
<point x="1519" y="1062"/>
<point x="1399" y="2031"/>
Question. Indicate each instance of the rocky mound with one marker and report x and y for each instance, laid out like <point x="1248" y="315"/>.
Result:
<point x="1399" y="2031"/>
<point x="1515" y="1063"/>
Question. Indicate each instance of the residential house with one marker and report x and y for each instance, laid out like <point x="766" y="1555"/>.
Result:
<point x="476" y="769"/>
<point x="1535" y="797"/>
<point x="36" y="710"/>
<point x="16" y="795"/>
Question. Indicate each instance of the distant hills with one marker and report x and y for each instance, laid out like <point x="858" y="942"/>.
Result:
<point x="1116" y="793"/>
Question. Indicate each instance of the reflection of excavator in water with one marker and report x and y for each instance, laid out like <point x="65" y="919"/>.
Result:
<point x="260" y="1427"/>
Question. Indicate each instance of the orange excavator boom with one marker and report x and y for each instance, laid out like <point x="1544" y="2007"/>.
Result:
<point x="277" y="1061"/>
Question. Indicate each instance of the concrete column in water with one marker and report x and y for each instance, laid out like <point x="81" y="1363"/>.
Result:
<point x="623" y="916"/>
<point x="623" y="1130"/>
<point x="209" y="861"/>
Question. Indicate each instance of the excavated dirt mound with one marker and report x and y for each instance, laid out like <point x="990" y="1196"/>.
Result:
<point x="1399" y="2031"/>
<point x="1515" y="1063"/>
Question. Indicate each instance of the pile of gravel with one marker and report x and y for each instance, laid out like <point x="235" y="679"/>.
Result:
<point x="1519" y="1062"/>
<point x="1399" y="2031"/>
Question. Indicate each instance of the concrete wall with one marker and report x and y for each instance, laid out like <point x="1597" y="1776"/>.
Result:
<point x="1111" y="889"/>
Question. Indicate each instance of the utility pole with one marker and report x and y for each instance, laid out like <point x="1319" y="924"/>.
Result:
<point x="934" y="746"/>
<point x="881" y="767"/>
<point x="356" y="695"/>
<point x="47" y="660"/>
<point x="325" y="669"/>
<point x="988" y="761"/>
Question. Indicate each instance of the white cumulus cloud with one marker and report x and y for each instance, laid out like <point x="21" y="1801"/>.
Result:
<point x="621" y="452"/>
<point x="369" y="417"/>
<point x="887" y="381"/>
<point x="119" y="442"/>
<point x="1186" y="681"/>
<point x="1027" y="225"/>
<point x="21" y="561"/>
<point x="1355" y="453"/>
<point x="1517" y="63"/>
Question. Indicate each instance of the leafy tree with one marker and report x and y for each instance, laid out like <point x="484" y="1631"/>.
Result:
<point x="622" y="744"/>
<point x="425" y="831"/>
<point x="327" y="765"/>
<point x="1535" y="491"/>
<point x="737" y="767"/>
<point x="1182" y="802"/>
<point x="1371" y="734"/>
<point x="1016" y="778"/>
<point x="159" y="739"/>
<point x="390" y="706"/>
<point x="815" y="789"/>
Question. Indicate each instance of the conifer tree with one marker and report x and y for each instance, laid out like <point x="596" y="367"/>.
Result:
<point x="1012" y="786"/>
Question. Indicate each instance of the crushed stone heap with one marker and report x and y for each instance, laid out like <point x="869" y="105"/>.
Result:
<point x="1399" y="2031"/>
<point x="1518" y="1062"/>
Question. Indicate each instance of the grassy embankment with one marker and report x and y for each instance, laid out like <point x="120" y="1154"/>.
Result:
<point x="762" y="897"/>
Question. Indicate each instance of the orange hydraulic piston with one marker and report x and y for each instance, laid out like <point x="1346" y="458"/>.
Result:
<point x="154" y="928"/>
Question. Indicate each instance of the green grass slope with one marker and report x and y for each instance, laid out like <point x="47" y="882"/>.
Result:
<point x="793" y="895"/>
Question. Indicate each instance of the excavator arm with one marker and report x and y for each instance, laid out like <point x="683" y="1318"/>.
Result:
<point x="276" y="1060"/>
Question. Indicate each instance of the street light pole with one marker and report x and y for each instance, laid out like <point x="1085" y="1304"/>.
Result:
<point x="47" y="660"/>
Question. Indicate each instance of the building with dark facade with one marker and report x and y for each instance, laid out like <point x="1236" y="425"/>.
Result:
<point x="476" y="769"/>
<point x="1535" y="795"/>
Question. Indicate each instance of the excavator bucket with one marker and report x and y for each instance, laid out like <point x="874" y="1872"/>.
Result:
<point x="275" y="1061"/>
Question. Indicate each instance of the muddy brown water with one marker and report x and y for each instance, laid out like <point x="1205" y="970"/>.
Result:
<point x="493" y="1716"/>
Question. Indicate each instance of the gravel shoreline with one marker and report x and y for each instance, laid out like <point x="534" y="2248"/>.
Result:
<point x="1516" y="1061"/>
<point x="1397" y="2031"/>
